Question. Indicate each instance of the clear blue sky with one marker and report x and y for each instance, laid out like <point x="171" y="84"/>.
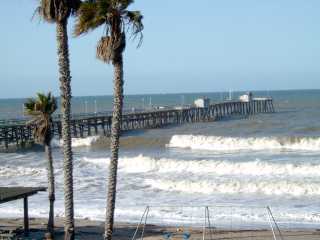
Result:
<point x="189" y="46"/>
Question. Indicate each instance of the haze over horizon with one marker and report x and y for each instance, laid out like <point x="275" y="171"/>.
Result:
<point x="209" y="47"/>
<point x="225" y="92"/>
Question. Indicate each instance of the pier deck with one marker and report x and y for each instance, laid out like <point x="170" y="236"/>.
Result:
<point x="18" y="133"/>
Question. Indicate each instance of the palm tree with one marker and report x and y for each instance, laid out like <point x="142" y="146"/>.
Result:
<point x="58" y="11"/>
<point x="117" y="20"/>
<point x="41" y="110"/>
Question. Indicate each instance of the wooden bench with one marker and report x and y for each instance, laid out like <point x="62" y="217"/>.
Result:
<point x="8" y="194"/>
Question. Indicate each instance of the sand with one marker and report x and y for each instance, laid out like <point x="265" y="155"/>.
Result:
<point x="86" y="229"/>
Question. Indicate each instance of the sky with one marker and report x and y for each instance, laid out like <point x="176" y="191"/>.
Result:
<point x="188" y="46"/>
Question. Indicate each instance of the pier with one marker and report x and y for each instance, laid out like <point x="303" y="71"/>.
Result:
<point x="19" y="133"/>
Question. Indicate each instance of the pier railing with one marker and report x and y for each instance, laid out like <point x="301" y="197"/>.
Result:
<point x="19" y="133"/>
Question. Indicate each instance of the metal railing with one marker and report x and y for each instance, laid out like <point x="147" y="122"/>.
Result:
<point x="209" y="230"/>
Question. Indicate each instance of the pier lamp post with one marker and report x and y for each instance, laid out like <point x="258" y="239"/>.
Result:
<point x="86" y="107"/>
<point x="182" y="100"/>
<point x="23" y="110"/>
<point x="95" y="107"/>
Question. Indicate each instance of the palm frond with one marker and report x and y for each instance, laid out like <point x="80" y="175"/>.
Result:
<point x="123" y="4"/>
<point x="108" y="48"/>
<point x="104" y="49"/>
<point x="90" y="16"/>
<point x="40" y="110"/>
<point x="134" y="23"/>
<point x="29" y="105"/>
<point x="57" y="10"/>
<point x="117" y="21"/>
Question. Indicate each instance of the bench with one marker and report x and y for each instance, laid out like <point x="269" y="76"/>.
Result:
<point x="8" y="194"/>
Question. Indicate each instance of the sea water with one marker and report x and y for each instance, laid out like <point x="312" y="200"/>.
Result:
<point x="235" y="166"/>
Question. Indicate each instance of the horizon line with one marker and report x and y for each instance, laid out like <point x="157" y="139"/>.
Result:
<point x="176" y="93"/>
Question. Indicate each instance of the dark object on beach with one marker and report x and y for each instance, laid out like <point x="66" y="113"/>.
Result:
<point x="8" y="194"/>
<point x="41" y="110"/>
<point x="117" y="20"/>
<point x="7" y="234"/>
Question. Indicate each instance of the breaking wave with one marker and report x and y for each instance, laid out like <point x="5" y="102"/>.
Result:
<point x="217" y="143"/>
<point x="234" y="186"/>
<point x="104" y="141"/>
<point x="6" y="171"/>
<point x="142" y="163"/>
<point x="77" y="142"/>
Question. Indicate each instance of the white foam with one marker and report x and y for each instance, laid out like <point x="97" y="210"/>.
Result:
<point x="76" y="142"/>
<point x="6" y="171"/>
<point x="192" y="216"/>
<point x="234" y="186"/>
<point x="175" y="182"/>
<point x="142" y="164"/>
<point x="218" y="143"/>
<point x="103" y="162"/>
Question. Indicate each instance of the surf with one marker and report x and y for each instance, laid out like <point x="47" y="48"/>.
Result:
<point x="219" y="143"/>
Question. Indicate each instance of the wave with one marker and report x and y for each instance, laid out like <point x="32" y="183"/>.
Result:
<point x="236" y="216"/>
<point x="233" y="186"/>
<point x="217" y="143"/>
<point x="76" y="142"/>
<point x="20" y="171"/>
<point x="104" y="141"/>
<point x="142" y="163"/>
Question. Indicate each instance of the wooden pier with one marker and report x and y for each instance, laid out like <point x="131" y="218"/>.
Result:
<point x="19" y="133"/>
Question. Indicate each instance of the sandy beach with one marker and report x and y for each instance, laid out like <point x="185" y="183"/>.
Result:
<point x="87" y="229"/>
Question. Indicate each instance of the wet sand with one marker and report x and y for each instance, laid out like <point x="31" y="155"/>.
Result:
<point x="86" y="229"/>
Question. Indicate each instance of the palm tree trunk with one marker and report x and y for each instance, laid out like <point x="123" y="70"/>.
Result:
<point x="65" y="88"/>
<point x="51" y="189"/>
<point x="115" y="135"/>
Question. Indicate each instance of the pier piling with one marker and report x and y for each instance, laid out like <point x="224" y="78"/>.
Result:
<point x="94" y="124"/>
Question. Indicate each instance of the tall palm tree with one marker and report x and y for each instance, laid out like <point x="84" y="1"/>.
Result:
<point x="41" y="110"/>
<point x="117" y="20"/>
<point x="58" y="11"/>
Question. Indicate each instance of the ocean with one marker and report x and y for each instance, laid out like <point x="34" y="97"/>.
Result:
<point x="236" y="166"/>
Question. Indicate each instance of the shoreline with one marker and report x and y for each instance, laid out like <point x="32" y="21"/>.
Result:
<point x="89" y="229"/>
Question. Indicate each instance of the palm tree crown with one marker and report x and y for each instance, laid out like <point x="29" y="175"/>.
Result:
<point x="113" y="14"/>
<point x="41" y="109"/>
<point x="57" y="10"/>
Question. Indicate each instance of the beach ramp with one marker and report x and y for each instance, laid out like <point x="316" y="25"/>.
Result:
<point x="8" y="194"/>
